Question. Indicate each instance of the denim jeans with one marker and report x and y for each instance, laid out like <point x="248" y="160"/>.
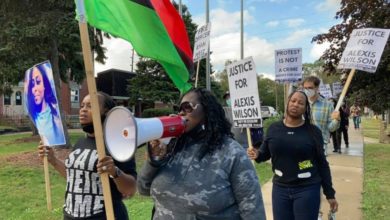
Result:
<point x="296" y="203"/>
<point x="356" y="121"/>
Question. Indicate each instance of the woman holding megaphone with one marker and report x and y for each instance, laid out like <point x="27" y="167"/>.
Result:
<point x="204" y="173"/>
<point x="81" y="168"/>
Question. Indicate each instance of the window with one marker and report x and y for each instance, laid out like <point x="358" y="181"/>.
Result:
<point x="7" y="99"/>
<point x="74" y="95"/>
<point x="18" y="98"/>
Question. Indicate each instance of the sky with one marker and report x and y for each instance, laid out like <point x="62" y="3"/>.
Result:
<point x="269" y="25"/>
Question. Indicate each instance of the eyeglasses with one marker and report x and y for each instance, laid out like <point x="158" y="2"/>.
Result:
<point x="187" y="107"/>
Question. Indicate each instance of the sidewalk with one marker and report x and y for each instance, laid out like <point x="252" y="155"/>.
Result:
<point x="347" y="177"/>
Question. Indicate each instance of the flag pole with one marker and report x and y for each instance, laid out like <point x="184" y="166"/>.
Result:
<point x="87" y="55"/>
<point x="345" y="89"/>
<point x="180" y="9"/>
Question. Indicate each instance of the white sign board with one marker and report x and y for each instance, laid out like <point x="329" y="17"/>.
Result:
<point x="244" y="94"/>
<point x="364" y="49"/>
<point x="325" y="91"/>
<point x="337" y="88"/>
<point x="288" y="65"/>
<point x="202" y="42"/>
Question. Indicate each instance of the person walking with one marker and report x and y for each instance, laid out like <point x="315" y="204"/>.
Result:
<point x="355" y="113"/>
<point x="322" y="111"/>
<point x="295" y="147"/>
<point x="344" y="124"/>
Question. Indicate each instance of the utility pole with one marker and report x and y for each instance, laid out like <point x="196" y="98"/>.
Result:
<point x="208" y="86"/>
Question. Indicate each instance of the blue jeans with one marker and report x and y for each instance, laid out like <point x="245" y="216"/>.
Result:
<point x="296" y="203"/>
<point x="356" y="121"/>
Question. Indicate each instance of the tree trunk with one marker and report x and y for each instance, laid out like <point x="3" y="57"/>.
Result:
<point x="57" y="81"/>
<point x="33" y="129"/>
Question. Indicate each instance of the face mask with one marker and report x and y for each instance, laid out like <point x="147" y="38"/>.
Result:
<point x="228" y="102"/>
<point x="310" y="92"/>
<point x="88" y="128"/>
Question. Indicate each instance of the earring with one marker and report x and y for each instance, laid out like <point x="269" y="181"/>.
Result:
<point x="203" y="127"/>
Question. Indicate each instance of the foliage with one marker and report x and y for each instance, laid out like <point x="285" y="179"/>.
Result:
<point x="317" y="69"/>
<point x="368" y="89"/>
<point x="267" y="122"/>
<point x="152" y="82"/>
<point x="157" y="112"/>
<point x="270" y="93"/>
<point x="38" y="30"/>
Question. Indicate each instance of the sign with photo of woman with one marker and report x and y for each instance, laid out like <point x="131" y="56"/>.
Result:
<point x="42" y="104"/>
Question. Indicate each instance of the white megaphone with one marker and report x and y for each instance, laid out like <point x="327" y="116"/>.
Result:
<point x="123" y="133"/>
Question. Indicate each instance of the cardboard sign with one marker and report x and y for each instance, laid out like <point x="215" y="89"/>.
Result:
<point x="244" y="94"/>
<point x="325" y="91"/>
<point x="364" y="49"/>
<point x="202" y="42"/>
<point x="42" y="105"/>
<point x="288" y="65"/>
<point x="337" y="88"/>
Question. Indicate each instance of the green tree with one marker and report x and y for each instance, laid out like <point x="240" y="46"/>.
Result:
<point x="152" y="82"/>
<point x="367" y="89"/>
<point x="269" y="92"/>
<point x="38" y="30"/>
<point x="317" y="69"/>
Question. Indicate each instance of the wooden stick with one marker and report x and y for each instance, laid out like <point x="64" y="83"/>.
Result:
<point x="248" y="135"/>
<point x="345" y="89"/>
<point x="47" y="182"/>
<point x="196" y="76"/>
<point x="286" y="86"/>
<point x="97" y="125"/>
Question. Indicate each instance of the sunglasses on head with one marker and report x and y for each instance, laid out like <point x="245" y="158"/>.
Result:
<point x="187" y="107"/>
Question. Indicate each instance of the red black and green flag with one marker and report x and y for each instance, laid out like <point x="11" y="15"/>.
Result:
<point x="153" y="27"/>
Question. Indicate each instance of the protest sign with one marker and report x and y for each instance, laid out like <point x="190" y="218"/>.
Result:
<point x="325" y="91"/>
<point x="244" y="93"/>
<point x="337" y="88"/>
<point x="288" y="65"/>
<point x="42" y="105"/>
<point x="202" y="42"/>
<point x="364" y="49"/>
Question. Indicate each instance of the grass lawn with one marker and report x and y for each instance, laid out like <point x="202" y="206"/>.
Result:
<point x="22" y="185"/>
<point x="376" y="187"/>
<point x="370" y="128"/>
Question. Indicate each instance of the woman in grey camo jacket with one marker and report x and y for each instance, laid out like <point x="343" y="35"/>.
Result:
<point x="205" y="173"/>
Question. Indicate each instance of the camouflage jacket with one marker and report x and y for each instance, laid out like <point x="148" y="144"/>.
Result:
<point x="222" y="185"/>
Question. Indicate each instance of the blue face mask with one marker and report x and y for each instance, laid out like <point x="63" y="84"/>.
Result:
<point x="228" y="102"/>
